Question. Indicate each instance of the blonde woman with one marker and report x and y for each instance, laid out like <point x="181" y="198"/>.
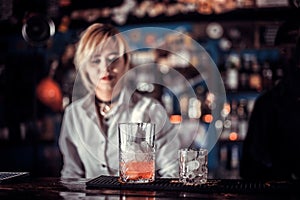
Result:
<point x="89" y="138"/>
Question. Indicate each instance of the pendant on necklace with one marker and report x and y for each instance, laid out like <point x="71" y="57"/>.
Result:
<point x="104" y="109"/>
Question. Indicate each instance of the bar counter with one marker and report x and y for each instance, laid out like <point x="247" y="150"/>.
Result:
<point x="56" y="188"/>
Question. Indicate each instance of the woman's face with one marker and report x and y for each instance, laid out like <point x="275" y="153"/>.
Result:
<point x="106" y="67"/>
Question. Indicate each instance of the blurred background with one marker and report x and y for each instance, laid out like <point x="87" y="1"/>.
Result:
<point x="37" y="42"/>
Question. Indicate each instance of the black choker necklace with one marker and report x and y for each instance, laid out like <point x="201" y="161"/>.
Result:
<point x="105" y="106"/>
<point x="99" y="101"/>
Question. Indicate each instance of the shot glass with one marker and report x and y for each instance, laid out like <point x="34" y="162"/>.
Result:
<point x="192" y="166"/>
<point x="136" y="152"/>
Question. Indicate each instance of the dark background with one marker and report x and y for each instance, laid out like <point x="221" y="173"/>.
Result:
<point x="29" y="129"/>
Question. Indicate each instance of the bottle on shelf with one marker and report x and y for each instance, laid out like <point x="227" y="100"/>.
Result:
<point x="245" y="71"/>
<point x="242" y="113"/>
<point x="255" y="79"/>
<point x="234" y="118"/>
<point x="267" y="76"/>
<point x="232" y="72"/>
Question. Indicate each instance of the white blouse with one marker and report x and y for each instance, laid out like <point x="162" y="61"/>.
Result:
<point x="88" y="152"/>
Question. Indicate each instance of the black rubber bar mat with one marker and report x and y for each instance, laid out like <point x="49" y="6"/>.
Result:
<point x="212" y="185"/>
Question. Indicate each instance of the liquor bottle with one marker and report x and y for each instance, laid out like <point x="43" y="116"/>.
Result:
<point x="232" y="76"/>
<point x="244" y="74"/>
<point x="167" y="99"/>
<point x="247" y="65"/>
<point x="267" y="76"/>
<point x="255" y="79"/>
<point x="234" y="118"/>
<point x="234" y="157"/>
<point x="242" y="113"/>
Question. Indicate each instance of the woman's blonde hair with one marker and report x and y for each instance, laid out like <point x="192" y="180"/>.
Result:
<point x="96" y="36"/>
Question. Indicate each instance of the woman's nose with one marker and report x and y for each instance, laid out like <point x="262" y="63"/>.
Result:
<point x="103" y="67"/>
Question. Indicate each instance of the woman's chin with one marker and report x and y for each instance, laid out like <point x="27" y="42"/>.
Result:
<point x="105" y="87"/>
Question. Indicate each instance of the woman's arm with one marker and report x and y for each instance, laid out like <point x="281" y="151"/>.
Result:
<point x="72" y="165"/>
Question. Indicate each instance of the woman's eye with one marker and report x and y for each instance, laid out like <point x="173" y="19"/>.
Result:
<point x="112" y="58"/>
<point x="95" y="61"/>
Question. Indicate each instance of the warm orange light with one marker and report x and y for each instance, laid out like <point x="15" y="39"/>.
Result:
<point x="233" y="136"/>
<point x="175" y="119"/>
<point x="207" y="118"/>
<point x="49" y="93"/>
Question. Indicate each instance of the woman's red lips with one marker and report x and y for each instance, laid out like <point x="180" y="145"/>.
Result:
<point x="107" y="78"/>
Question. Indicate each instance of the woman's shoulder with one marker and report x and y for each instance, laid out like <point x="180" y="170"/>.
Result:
<point x="80" y="104"/>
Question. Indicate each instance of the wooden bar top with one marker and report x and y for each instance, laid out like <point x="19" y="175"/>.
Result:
<point x="73" y="188"/>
